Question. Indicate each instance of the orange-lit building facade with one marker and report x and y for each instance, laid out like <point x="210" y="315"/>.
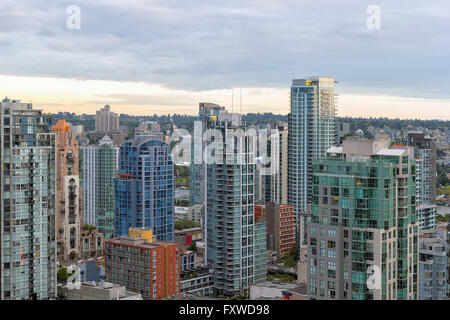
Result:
<point x="280" y="226"/>
<point x="68" y="193"/>
<point x="151" y="269"/>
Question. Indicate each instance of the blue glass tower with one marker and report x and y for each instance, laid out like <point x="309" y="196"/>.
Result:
<point x="144" y="188"/>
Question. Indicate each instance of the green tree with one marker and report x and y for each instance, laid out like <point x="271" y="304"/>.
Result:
<point x="62" y="275"/>
<point x="185" y="224"/>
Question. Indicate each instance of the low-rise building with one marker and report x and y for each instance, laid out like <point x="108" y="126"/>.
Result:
<point x="277" y="290"/>
<point x="198" y="282"/>
<point x="101" y="291"/>
<point x="92" y="243"/>
<point x="187" y="236"/>
<point x="188" y="260"/>
<point x="149" y="268"/>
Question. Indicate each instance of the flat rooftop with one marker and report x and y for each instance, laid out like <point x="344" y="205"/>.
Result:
<point x="139" y="242"/>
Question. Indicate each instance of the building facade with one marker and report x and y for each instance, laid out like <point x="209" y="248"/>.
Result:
<point x="105" y="120"/>
<point x="149" y="268"/>
<point x="311" y="133"/>
<point x="69" y="195"/>
<point x="231" y="228"/>
<point x="425" y="150"/>
<point x="98" y="166"/>
<point x="92" y="243"/>
<point x="27" y="203"/>
<point x="280" y="226"/>
<point x="433" y="264"/>
<point x="145" y="188"/>
<point x="363" y="234"/>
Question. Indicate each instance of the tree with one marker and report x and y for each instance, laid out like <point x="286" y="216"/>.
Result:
<point x="192" y="247"/>
<point x="289" y="261"/>
<point x="62" y="275"/>
<point x="185" y="224"/>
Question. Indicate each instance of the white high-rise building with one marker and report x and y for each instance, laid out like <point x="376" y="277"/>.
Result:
<point x="311" y="133"/>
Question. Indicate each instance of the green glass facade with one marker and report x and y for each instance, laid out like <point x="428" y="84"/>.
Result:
<point x="363" y="215"/>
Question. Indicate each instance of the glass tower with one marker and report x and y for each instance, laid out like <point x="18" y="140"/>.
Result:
<point x="27" y="203"/>
<point x="99" y="171"/>
<point x="144" y="189"/>
<point x="363" y="234"/>
<point x="311" y="132"/>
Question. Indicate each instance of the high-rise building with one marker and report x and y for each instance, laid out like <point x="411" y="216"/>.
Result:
<point x="363" y="234"/>
<point x="145" y="188"/>
<point x="105" y="120"/>
<point x="311" y="133"/>
<point x="234" y="239"/>
<point x="425" y="150"/>
<point x="280" y="226"/>
<point x="272" y="172"/>
<point x="342" y="130"/>
<point x="197" y="168"/>
<point x="69" y="203"/>
<point x="27" y="203"/>
<point x="99" y="168"/>
<point x="151" y="268"/>
<point x="427" y="215"/>
<point x="281" y="181"/>
<point x="433" y="264"/>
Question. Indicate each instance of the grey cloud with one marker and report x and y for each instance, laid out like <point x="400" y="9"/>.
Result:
<point x="201" y="45"/>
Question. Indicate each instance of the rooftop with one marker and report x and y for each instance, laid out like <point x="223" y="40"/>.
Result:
<point x="138" y="242"/>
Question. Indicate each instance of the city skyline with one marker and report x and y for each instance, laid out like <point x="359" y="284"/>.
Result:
<point x="168" y="101"/>
<point x="154" y="59"/>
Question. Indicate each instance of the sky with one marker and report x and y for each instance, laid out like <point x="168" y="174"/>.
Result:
<point x="165" y="56"/>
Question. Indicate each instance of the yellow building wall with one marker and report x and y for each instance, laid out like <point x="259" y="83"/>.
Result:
<point x="141" y="233"/>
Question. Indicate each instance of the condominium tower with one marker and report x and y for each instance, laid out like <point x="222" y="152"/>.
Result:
<point x="144" y="189"/>
<point x="98" y="166"/>
<point x="105" y="120"/>
<point x="311" y="133"/>
<point x="27" y="203"/>
<point x="363" y="234"/>
<point x="68" y="204"/>
<point x="235" y="240"/>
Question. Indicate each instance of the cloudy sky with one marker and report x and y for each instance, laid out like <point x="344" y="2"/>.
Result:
<point x="164" y="56"/>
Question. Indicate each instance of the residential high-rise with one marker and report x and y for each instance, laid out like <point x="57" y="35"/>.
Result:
<point x="197" y="169"/>
<point x="98" y="166"/>
<point x="68" y="204"/>
<point x="151" y="268"/>
<point x="145" y="188"/>
<point x="311" y="133"/>
<point x="272" y="176"/>
<point x="364" y="224"/>
<point x="282" y="177"/>
<point x="27" y="203"/>
<point x="233" y="236"/>
<point x="425" y="149"/>
<point x="280" y="226"/>
<point x="433" y="264"/>
<point x="105" y="120"/>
